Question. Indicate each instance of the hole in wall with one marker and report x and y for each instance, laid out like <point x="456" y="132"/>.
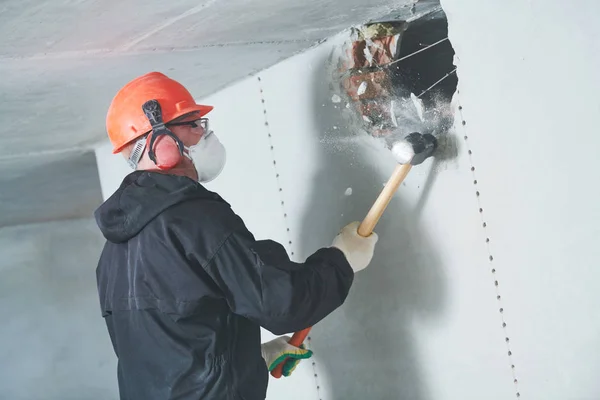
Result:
<point x="397" y="74"/>
<point x="428" y="74"/>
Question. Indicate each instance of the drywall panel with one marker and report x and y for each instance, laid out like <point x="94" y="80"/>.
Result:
<point x="529" y="90"/>
<point x="53" y="341"/>
<point x="250" y="182"/>
<point x="422" y="321"/>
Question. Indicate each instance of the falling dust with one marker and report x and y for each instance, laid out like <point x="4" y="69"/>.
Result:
<point x="407" y="115"/>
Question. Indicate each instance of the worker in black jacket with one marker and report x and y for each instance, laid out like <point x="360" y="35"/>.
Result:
<point x="184" y="287"/>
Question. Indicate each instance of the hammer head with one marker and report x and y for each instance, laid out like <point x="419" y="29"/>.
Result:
<point x="423" y="144"/>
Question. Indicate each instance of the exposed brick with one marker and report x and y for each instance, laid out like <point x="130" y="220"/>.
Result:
<point x="383" y="51"/>
<point x="380" y="41"/>
<point x="378" y="85"/>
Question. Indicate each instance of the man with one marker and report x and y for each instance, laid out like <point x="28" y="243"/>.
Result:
<point x="184" y="286"/>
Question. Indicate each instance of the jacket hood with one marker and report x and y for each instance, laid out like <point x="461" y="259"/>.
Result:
<point x="142" y="196"/>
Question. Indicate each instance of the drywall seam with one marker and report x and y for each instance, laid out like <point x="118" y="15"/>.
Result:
<point x="489" y="247"/>
<point x="315" y="369"/>
<point x="279" y="188"/>
<point x="283" y="209"/>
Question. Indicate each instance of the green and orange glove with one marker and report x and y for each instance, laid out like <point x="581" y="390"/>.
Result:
<point x="278" y="350"/>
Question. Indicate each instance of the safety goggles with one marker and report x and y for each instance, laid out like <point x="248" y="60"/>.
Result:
<point x="200" y="122"/>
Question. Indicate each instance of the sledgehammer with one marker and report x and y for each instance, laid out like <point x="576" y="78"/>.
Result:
<point x="412" y="150"/>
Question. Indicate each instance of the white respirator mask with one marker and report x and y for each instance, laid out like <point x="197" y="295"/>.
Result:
<point x="208" y="157"/>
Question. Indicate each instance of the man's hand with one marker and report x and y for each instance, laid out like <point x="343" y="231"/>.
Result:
<point x="278" y="350"/>
<point x="357" y="249"/>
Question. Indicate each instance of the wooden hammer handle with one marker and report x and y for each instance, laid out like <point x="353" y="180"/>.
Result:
<point x="368" y="224"/>
<point x="365" y="229"/>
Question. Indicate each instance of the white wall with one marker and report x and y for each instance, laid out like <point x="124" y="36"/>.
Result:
<point x="529" y="87"/>
<point x="424" y="321"/>
<point x="54" y="344"/>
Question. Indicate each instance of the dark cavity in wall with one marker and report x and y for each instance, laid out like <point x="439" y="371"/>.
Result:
<point x="422" y="70"/>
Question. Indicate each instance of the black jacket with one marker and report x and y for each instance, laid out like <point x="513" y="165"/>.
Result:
<point x="184" y="288"/>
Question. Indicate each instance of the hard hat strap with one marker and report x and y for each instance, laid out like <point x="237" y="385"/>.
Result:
<point x="136" y="153"/>
<point x="153" y="112"/>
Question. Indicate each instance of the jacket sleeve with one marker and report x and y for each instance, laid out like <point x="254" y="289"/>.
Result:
<point x="261" y="283"/>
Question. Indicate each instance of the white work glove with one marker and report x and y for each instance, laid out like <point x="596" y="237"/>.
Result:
<point x="357" y="249"/>
<point x="279" y="350"/>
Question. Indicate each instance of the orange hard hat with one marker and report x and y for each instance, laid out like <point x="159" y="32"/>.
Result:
<point x="126" y="121"/>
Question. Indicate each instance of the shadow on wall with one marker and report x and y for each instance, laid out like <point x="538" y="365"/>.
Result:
<point x="366" y="349"/>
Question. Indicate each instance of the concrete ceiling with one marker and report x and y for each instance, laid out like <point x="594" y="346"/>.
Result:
<point x="62" y="61"/>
